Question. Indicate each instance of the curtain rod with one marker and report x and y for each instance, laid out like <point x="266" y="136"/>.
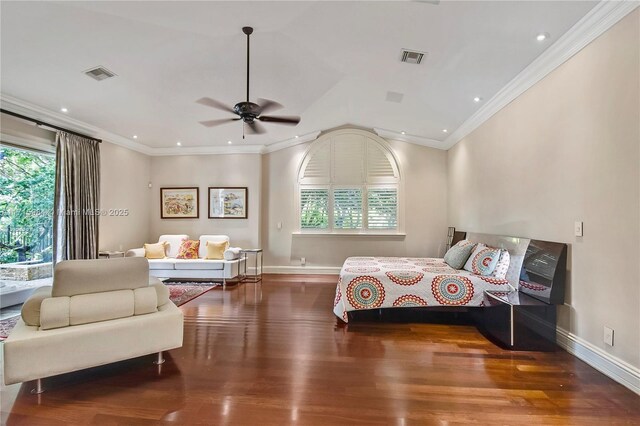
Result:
<point x="42" y="123"/>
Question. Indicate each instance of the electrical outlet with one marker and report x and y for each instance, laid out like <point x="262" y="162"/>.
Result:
<point x="279" y="225"/>
<point x="578" y="228"/>
<point x="303" y="261"/>
<point x="608" y="335"/>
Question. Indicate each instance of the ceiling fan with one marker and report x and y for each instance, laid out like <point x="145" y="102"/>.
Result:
<point x="249" y="112"/>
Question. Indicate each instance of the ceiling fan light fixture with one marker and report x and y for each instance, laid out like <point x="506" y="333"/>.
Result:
<point x="251" y="113"/>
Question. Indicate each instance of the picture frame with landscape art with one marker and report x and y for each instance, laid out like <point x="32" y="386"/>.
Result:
<point x="228" y="202"/>
<point x="179" y="203"/>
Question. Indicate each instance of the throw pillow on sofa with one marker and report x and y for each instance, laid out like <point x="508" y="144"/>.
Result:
<point x="215" y="251"/>
<point x="188" y="249"/>
<point x="155" y="251"/>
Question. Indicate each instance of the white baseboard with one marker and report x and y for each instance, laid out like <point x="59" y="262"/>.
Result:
<point x="325" y="270"/>
<point x="611" y="366"/>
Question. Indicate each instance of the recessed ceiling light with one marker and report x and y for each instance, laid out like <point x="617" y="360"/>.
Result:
<point x="229" y="142"/>
<point x="135" y="136"/>
<point x="477" y="99"/>
<point x="403" y="132"/>
<point x="297" y="136"/>
<point x="444" y="130"/>
<point x="63" y="109"/>
<point x="179" y="143"/>
<point x="542" y="36"/>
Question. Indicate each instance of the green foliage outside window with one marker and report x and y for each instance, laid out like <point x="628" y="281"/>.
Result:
<point x="27" y="182"/>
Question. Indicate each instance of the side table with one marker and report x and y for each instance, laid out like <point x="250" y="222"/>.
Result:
<point x="256" y="276"/>
<point x="110" y="254"/>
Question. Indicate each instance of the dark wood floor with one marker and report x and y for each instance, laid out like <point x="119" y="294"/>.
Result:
<point x="274" y="354"/>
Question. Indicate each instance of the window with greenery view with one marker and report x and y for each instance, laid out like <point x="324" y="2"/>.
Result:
<point x="349" y="185"/>
<point x="27" y="181"/>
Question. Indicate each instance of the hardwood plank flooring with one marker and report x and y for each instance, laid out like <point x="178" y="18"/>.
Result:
<point x="273" y="353"/>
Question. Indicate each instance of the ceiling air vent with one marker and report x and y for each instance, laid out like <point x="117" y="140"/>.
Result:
<point x="412" y="56"/>
<point x="100" y="73"/>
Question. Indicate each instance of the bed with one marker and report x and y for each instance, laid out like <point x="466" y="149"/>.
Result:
<point x="367" y="283"/>
<point x="400" y="282"/>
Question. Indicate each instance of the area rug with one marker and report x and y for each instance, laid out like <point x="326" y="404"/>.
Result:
<point x="6" y="325"/>
<point x="179" y="293"/>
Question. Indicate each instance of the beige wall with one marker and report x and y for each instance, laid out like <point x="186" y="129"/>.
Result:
<point x="124" y="185"/>
<point x="204" y="171"/>
<point x="424" y="191"/>
<point x="568" y="150"/>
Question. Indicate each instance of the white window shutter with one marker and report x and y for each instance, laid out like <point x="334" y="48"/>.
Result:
<point x="382" y="208"/>
<point x="348" y="160"/>
<point x="314" y="208"/>
<point x="379" y="168"/>
<point x="318" y="167"/>
<point x="347" y="208"/>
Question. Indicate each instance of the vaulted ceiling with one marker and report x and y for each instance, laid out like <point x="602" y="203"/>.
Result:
<point x="329" y="62"/>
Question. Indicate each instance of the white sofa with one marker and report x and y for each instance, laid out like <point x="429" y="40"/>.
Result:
<point x="200" y="268"/>
<point x="97" y="312"/>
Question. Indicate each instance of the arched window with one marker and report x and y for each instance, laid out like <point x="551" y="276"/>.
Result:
<point x="349" y="183"/>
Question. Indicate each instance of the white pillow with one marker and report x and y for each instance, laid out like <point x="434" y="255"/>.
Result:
<point x="483" y="260"/>
<point x="503" y="265"/>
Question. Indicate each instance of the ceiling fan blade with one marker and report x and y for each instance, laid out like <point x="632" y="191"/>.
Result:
<point x="292" y="120"/>
<point x="215" y="104"/>
<point x="256" y="128"/>
<point x="212" y="123"/>
<point x="267" y="105"/>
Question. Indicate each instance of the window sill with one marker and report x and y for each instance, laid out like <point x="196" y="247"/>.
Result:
<point x="348" y="234"/>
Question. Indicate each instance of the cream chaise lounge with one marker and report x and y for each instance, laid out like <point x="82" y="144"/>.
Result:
<point x="201" y="268"/>
<point x="97" y="312"/>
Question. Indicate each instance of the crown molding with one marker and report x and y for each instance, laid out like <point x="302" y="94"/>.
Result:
<point x="277" y="146"/>
<point x="599" y="19"/>
<point x="34" y="111"/>
<point x="207" y="150"/>
<point x="416" y="140"/>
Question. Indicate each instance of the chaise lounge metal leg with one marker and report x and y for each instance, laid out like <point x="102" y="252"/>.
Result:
<point x="224" y="283"/>
<point x="38" y="389"/>
<point x="160" y="359"/>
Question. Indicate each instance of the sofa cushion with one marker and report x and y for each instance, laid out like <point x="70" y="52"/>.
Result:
<point x="96" y="307"/>
<point x="167" y="263"/>
<point x="145" y="301"/>
<point x="31" y="308"/>
<point x="214" y="239"/>
<point x="199" y="264"/>
<point x="73" y="277"/>
<point x="173" y="243"/>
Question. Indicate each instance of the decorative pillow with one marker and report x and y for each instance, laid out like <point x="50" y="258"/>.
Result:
<point x="188" y="249"/>
<point x="502" y="267"/>
<point x="457" y="255"/>
<point x="215" y="251"/>
<point x="155" y="251"/>
<point x="483" y="260"/>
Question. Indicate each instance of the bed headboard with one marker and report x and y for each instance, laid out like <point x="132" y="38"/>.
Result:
<point x="537" y="268"/>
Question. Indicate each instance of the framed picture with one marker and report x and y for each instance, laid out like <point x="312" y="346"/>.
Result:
<point x="179" y="203"/>
<point x="228" y="203"/>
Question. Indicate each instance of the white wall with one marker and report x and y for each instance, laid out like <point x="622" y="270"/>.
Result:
<point x="568" y="150"/>
<point x="204" y="171"/>
<point x="425" y="193"/>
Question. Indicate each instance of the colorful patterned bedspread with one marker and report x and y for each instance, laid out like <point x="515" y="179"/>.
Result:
<point x="386" y="282"/>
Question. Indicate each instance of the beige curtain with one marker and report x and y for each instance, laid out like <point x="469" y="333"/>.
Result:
<point x="77" y="198"/>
